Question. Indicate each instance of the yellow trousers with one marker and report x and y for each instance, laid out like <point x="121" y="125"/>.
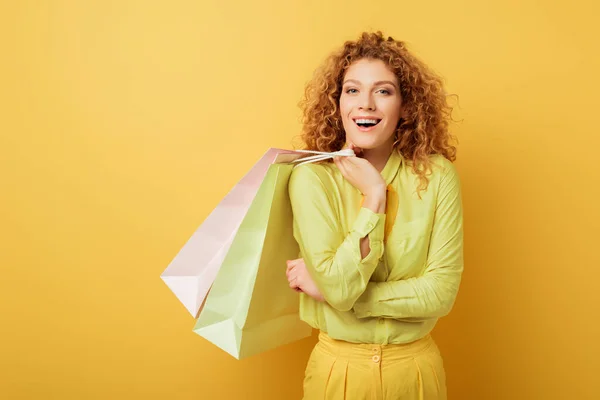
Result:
<point x="342" y="370"/>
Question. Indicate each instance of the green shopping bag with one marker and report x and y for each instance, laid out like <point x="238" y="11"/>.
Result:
<point x="250" y="307"/>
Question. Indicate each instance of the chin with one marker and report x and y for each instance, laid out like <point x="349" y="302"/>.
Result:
<point x="366" y="143"/>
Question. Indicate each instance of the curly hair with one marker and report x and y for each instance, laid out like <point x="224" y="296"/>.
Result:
<point x="422" y="132"/>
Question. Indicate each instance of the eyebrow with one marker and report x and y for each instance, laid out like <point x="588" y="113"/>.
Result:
<point x="375" y="83"/>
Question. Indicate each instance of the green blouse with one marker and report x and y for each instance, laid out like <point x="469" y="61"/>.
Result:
<point x="409" y="279"/>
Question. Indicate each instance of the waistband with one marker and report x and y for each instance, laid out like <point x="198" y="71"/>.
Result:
<point x="360" y="351"/>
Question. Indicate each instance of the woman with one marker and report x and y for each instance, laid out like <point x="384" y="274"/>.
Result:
<point x="380" y="234"/>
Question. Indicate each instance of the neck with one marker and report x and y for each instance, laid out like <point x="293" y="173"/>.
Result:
<point x="378" y="157"/>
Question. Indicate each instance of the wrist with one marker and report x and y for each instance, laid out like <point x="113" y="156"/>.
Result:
<point x="377" y="191"/>
<point x="376" y="202"/>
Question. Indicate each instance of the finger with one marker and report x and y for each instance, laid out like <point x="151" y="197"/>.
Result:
<point x="353" y="147"/>
<point x="336" y="161"/>
<point x="357" y="150"/>
<point x="348" y="162"/>
<point x="341" y="164"/>
<point x="290" y="272"/>
<point x="290" y="262"/>
<point x="357" y="163"/>
<point x="348" y="168"/>
<point x="294" y="283"/>
<point x="354" y="160"/>
<point x="290" y="269"/>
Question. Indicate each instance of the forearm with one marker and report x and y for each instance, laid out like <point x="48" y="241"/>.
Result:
<point x="424" y="297"/>
<point x="375" y="203"/>
<point x="342" y="274"/>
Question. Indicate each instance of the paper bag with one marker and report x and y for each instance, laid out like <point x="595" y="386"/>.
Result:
<point x="193" y="270"/>
<point x="250" y="308"/>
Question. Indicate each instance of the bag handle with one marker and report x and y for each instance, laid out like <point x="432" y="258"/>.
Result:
<point x="321" y="155"/>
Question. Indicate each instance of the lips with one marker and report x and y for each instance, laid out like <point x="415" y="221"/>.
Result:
<point x="366" y="124"/>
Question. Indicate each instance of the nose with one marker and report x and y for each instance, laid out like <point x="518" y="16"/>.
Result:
<point x="366" y="102"/>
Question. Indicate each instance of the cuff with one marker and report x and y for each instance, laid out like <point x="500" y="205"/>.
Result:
<point x="369" y="223"/>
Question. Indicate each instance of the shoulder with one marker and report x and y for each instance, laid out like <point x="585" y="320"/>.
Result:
<point x="445" y="174"/>
<point x="442" y="169"/>
<point x="311" y="175"/>
<point x="312" y="180"/>
<point x="311" y="185"/>
<point x="441" y="165"/>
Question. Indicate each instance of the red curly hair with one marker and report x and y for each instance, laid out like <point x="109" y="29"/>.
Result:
<point x="422" y="132"/>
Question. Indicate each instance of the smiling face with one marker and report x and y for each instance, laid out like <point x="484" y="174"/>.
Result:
<point x="370" y="104"/>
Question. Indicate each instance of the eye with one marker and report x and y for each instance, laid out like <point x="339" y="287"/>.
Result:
<point x="351" y="91"/>
<point x="384" y="91"/>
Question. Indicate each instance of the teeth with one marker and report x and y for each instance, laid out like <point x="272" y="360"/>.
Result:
<point x="366" y="121"/>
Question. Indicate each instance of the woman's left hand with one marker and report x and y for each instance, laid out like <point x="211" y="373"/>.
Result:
<point x="300" y="280"/>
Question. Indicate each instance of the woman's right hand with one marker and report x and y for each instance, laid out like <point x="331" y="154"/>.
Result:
<point x="361" y="174"/>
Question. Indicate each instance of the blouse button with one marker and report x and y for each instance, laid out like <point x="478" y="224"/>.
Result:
<point x="376" y="358"/>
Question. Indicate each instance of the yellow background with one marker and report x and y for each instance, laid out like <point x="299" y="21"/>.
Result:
<point x="123" y="123"/>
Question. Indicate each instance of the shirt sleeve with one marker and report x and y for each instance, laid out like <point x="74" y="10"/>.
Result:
<point x="431" y="295"/>
<point x="332" y="257"/>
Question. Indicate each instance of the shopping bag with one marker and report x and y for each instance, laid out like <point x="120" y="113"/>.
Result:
<point x="193" y="270"/>
<point x="250" y="308"/>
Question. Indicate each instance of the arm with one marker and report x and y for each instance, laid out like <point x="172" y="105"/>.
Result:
<point x="377" y="205"/>
<point x="334" y="260"/>
<point x="431" y="295"/>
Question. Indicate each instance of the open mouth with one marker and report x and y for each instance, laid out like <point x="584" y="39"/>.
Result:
<point x="366" y="123"/>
